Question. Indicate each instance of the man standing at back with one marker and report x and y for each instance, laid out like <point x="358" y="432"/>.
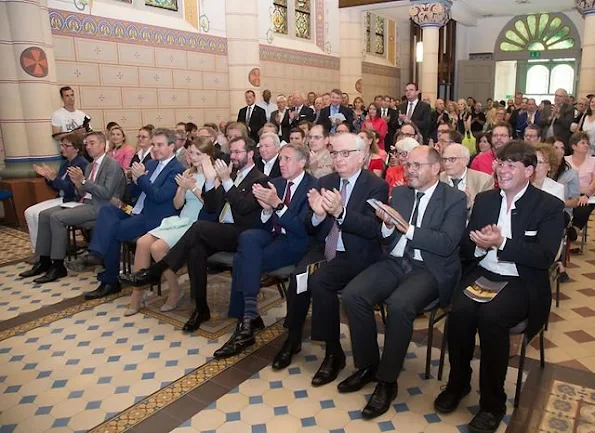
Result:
<point x="416" y="111"/>
<point x="333" y="109"/>
<point x="67" y="119"/>
<point x="252" y="115"/>
<point x="557" y="124"/>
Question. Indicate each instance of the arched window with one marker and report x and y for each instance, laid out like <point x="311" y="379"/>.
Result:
<point x="538" y="33"/>
<point x="292" y="18"/>
<point x="562" y="77"/>
<point x="538" y="78"/>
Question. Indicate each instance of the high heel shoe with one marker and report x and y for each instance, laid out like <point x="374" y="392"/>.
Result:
<point x="143" y="304"/>
<point x="165" y="308"/>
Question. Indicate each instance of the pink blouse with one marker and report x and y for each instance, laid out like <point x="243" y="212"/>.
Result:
<point x="123" y="155"/>
<point x="585" y="170"/>
<point x="484" y="162"/>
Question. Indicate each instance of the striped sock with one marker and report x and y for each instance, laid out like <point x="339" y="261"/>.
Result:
<point x="250" y="306"/>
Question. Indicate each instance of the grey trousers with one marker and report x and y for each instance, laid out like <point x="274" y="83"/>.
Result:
<point x="52" y="234"/>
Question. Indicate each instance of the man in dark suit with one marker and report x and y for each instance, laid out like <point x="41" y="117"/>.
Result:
<point x="526" y="118"/>
<point x="391" y="118"/>
<point x="280" y="118"/>
<point x="422" y="265"/>
<point x="416" y="111"/>
<point x="253" y="116"/>
<point x="557" y="123"/>
<point x="513" y="236"/>
<point x="281" y="240"/>
<point x="300" y="111"/>
<point x="155" y="186"/>
<point x="335" y="107"/>
<point x="268" y="161"/>
<point x="237" y="210"/>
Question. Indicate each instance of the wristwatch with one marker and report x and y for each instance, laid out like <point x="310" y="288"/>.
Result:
<point x="83" y="182"/>
<point x="279" y="207"/>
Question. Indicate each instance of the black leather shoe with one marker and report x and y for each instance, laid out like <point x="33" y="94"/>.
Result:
<point x="143" y="277"/>
<point x="103" y="290"/>
<point x="448" y="400"/>
<point x="357" y="380"/>
<point x="198" y="316"/>
<point x="485" y="422"/>
<point x="242" y="337"/>
<point x="54" y="273"/>
<point x="380" y="402"/>
<point x="329" y="369"/>
<point x="248" y="328"/>
<point x="283" y="357"/>
<point x="38" y="269"/>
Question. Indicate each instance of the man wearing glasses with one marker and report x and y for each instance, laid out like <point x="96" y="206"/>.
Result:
<point x="484" y="162"/>
<point x="347" y="232"/>
<point x="422" y="229"/>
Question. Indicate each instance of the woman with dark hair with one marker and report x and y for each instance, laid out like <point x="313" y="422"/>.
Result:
<point x="359" y="114"/>
<point x="587" y="124"/>
<point x="144" y="145"/>
<point x="584" y="163"/>
<point x="71" y="148"/>
<point x="376" y="122"/>
<point x="160" y="240"/>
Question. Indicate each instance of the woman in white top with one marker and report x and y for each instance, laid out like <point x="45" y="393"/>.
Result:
<point x="547" y="163"/>
<point x="587" y="124"/>
<point x="584" y="163"/>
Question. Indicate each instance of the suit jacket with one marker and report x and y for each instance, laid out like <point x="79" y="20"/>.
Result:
<point x="323" y="119"/>
<point x="537" y="230"/>
<point x="63" y="183"/>
<point x="360" y="228"/>
<point x="244" y="207"/>
<point x="421" y="116"/>
<point x="439" y="235"/>
<point x="293" y="220"/>
<point x="306" y="113"/>
<point x="159" y="200"/>
<point x="135" y="158"/>
<point x="257" y="120"/>
<point x="521" y="122"/>
<point x="284" y="126"/>
<point x="275" y="171"/>
<point x="561" y="125"/>
<point x="435" y="124"/>
<point x="181" y="157"/>
<point x="393" y="125"/>
<point x="109" y="183"/>
<point x="475" y="182"/>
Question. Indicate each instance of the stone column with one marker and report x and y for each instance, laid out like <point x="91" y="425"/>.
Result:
<point x="587" y="72"/>
<point x="27" y="86"/>
<point x="430" y="16"/>
<point x="243" y="55"/>
<point x="350" y="49"/>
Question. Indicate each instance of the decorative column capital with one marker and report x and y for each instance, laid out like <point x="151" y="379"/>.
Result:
<point x="435" y="13"/>
<point x="585" y="7"/>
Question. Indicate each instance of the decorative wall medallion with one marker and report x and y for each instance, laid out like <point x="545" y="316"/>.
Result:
<point x="359" y="86"/>
<point x="34" y="62"/>
<point x="254" y="77"/>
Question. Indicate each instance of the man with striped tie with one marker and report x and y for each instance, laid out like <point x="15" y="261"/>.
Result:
<point x="227" y="195"/>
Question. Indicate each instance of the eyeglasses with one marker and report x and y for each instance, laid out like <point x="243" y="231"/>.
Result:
<point x="66" y="145"/>
<point x="415" y="166"/>
<point x="451" y="159"/>
<point x="142" y="137"/>
<point x="342" y="153"/>
<point x="401" y="153"/>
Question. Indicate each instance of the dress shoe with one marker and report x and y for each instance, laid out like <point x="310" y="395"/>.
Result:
<point x="143" y="277"/>
<point x="448" y="400"/>
<point x="132" y="310"/>
<point x="242" y="337"/>
<point x="166" y="308"/>
<point x="283" y="357"/>
<point x="38" y="269"/>
<point x="198" y="316"/>
<point x="358" y="380"/>
<point x="329" y="369"/>
<point x="485" y="422"/>
<point x="380" y="402"/>
<point x="54" y="273"/>
<point x="103" y="290"/>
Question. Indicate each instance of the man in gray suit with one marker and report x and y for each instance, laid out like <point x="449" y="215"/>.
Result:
<point x="103" y="179"/>
<point x="422" y="265"/>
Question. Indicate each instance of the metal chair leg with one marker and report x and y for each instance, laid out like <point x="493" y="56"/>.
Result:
<point x="382" y="314"/>
<point x="519" y="380"/>
<point x="557" y="291"/>
<point x="541" y="350"/>
<point x="443" y="348"/>
<point x="430" y="341"/>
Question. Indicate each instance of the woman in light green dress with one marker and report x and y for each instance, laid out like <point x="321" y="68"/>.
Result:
<point x="160" y="240"/>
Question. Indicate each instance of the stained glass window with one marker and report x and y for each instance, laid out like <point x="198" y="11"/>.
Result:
<point x="172" y="5"/>
<point x="280" y="16"/>
<point x="538" y="33"/>
<point x="302" y="19"/>
<point x="368" y="18"/>
<point x="379" y="35"/>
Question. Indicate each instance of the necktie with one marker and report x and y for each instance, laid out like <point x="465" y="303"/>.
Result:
<point x="332" y="240"/>
<point x="286" y="201"/>
<point x="456" y="182"/>
<point x="410" y="111"/>
<point x="384" y="114"/>
<point x="140" y="203"/>
<point x="407" y="261"/>
<point x="91" y="178"/>
<point x="227" y="207"/>
<point x="248" y="114"/>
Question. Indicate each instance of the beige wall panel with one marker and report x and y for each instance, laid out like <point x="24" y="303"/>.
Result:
<point x="9" y="67"/>
<point x="77" y="73"/>
<point x="201" y="62"/>
<point x="203" y="98"/>
<point x="221" y="64"/>
<point x="100" y="97"/>
<point x="173" y="98"/>
<point x="215" y="80"/>
<point x="186" y="79"/>
<point x="152" y="77"/>
<point x="88" y="50"/>
<point x="64" y="47"/>
<point x="223" y="98"/>
<point x="167" y="58"/>
<point x="96" y="119"/>
<point x="125" y="76"/>
<point x="143" y="98"/>
<point x="163" y="118"/>
<point x="194" y="115"/>
<point x="137" y="55"/>
<point x="218" y="114"/>
<point x="127" y="119"/>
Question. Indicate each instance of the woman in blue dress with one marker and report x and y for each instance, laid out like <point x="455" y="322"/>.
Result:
<point x="159" y="241"/>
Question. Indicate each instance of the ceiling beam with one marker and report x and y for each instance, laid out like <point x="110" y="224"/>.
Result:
<point x="352" y="3"/>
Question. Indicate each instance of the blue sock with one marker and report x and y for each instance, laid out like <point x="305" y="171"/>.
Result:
<point x="250" y="306"/>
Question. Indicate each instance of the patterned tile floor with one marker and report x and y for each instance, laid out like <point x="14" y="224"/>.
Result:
<point x="15" y="245"/>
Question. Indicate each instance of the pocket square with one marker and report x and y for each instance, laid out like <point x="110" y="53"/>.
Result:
<point x="531" y="233"/>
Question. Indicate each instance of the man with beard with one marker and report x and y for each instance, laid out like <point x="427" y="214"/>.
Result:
<point x="227" y="195"/>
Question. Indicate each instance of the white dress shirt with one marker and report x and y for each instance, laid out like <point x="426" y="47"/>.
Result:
<point x="462" y="184"/>
<point x="268" y="165"/>
<point x="266" y="215"/>
<point x="399" y="249"/>
<point x="97" y="162"/>
<point x="141" y="155"/>
<point x="268" y="108"/>
<point x="409" y="103"/>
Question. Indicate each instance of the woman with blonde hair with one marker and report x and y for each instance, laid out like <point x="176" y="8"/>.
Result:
<point x="119" y="149"/>
<point x="159" y="241"/>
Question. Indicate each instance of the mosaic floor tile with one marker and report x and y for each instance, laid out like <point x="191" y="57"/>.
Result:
<point x="15" y="245"/>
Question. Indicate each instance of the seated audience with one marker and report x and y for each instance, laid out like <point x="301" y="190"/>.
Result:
<point x="373" y="162"/>
<point x="422" y="265"/>
<point x="235" y="130"/>
<point x="532" y="135"/>
<point x="376" y="122"/>
<point x="396" y="175"/>
<point x="342" y="128"/>
<point x="220" y="151"/>
<point x="230" y="197"/>
<point x="321" y="162"/>
<point x="158" y="242"/>
<point x="144" y="146"/>
<point x="121" y="151"/>
<point x="501" y="134"/>
<point x="101" y="180"/>
<point x="520" y="260"/>
<point x="582" y="161"/>
<point x="71" y="149"/>
<point x="191" y="131"/>
<point x="447" y="138"/>
<point x="297" y="136"/>
<point x="180" y="127"/>
<point x="155" y="186"/>
<point x="547" y="163"/>
<point x="268" y="161"/>
<point x="280" y="118"/>
<point x="305" y="126"/>
<point x="280" y="241"/>
<point x="180" y="148"/>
